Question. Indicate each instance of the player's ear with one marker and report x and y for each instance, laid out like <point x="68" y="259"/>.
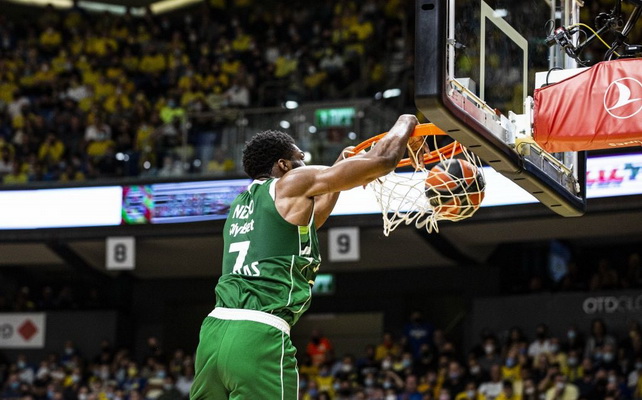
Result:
<point x="283" y="164"/>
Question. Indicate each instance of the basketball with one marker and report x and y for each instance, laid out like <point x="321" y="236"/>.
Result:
<point x="455" y="188"/>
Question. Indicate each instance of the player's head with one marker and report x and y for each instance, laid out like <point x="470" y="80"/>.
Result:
<point x="271" y="153"/>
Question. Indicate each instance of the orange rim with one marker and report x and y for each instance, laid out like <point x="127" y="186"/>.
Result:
<point x="429" y="129"/>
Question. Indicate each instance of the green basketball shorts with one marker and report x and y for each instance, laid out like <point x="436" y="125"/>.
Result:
<point x="245" y="355"/>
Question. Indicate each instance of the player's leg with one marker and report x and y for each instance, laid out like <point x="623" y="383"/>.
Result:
<point x="260" y="362"/>
<point x="207" y="383"/>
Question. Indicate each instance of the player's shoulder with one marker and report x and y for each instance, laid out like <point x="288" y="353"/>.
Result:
<point x="297" y="181"/>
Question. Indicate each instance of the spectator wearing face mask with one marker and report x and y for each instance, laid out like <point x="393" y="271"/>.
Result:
<point x="574" y="340"/>
<point x="11" y="388"/>
<point x="562" y="390"/>
<point x="598" y="338"/>
<point x="25" y="370"/>
<point x="508" y="392"/>
<point x="345" y="369"/>
<point x="529" y="390"/>
<point x="606" y="358"/>
<point x="418" y="333"/>
<point x="573" y="369"/>
<point x="475" y="372"/>
<point x="454" y="380"/>
<point x="469" y="393"/>
<point x="69" y="352"/>
<point x="541" y="344"/>
<point x="511" y="369"/>
<point x="390" y="381"/>
<point x="491" y="354"/>
<point x="557" y="355"/>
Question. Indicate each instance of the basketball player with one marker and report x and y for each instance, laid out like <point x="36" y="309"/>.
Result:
<point x="271" y="257"/>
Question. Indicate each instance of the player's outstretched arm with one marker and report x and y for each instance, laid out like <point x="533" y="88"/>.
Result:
<point x="354" y="171"/>
<point x="324" y="204"/>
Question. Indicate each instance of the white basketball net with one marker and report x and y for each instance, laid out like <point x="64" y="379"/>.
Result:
<point x="402" y="195"/>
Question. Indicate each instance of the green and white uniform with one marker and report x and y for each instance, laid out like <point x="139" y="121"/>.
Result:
<point x="269" y="267"/>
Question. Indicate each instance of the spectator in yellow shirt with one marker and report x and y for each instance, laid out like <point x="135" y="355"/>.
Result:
<point x="153" y="63"/>
<point x="216" y="80"/>
<point x="469" y="393"/>
<point x="313" y="80"/>
<point x="117" y="101"/>
<point x="98" y="138"/>
<point x="285" y="64"/>
<point x="103" y="88"/>
<point x="508" y="393"/>
<point x="16" y="176"/>
<point x="147" y="135"/>
<point x="387" y="347"/>
<point x="562" y="390"/>
<point x="130" y="61"/>
<point x="221" y="163"/>
<point x="75" y="17"/>
<point x="511" y="370"/>
<point x="51" y="150"/>
<point x="45" y="75"/>
<point x="61" y="63"/>
<point x="72" y="174"/>
<point x="230" y="65"/>
<point x="50" y="39"/>
<point x="242" y="42"/>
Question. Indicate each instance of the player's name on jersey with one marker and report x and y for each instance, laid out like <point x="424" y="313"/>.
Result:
<point x="251" y="269"/>
<point x="237" y="229"/>
<point x="242" y="211"/>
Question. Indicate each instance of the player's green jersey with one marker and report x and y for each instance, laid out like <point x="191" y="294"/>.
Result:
<point x="268" y="264"/>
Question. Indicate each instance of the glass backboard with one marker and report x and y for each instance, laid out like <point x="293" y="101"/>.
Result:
<point x="476" y="66"/>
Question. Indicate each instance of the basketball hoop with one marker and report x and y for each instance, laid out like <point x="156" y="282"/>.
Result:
<point x="433" y="192"/>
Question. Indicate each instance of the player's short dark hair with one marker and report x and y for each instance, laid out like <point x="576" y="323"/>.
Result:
<point x="263" y="150"/>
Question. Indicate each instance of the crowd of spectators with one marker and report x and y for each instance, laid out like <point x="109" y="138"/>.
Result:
<point x="621" y="270"/>
<point x="86" y="95"/>
<point x="421" y="363"/>
<point x="49" y="298"/>
<point x="415" y="362"/>
<point x="112" y="374"/>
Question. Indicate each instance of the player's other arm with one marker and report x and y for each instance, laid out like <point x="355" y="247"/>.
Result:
<point x="354" y="171"/>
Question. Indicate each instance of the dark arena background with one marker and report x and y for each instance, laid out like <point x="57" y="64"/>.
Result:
<point x="121" y="130"/>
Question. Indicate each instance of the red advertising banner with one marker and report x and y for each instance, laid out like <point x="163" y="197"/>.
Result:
<point x="599" y="108"/>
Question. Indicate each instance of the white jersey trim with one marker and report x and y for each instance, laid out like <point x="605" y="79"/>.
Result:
<point x="239" y="314"/>
<point x="272" y="189"/>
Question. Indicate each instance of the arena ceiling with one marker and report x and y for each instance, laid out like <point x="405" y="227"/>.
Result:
<point x="193" y="250"/>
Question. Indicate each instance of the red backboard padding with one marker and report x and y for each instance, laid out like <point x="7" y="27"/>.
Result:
<point x="598" y="108"/>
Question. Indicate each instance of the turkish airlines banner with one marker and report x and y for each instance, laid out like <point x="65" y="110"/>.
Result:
<point x="22" y="331"/>
<point x="599" y="108"/>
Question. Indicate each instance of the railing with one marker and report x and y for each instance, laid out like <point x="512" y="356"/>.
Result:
<point x="321" y="129"/>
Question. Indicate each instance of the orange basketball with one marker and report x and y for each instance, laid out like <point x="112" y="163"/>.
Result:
<point x="455" y="188"/>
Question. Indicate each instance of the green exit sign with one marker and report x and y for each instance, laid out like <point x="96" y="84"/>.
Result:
<point x="331" y="117"/>
<point x="323" y="285"/>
